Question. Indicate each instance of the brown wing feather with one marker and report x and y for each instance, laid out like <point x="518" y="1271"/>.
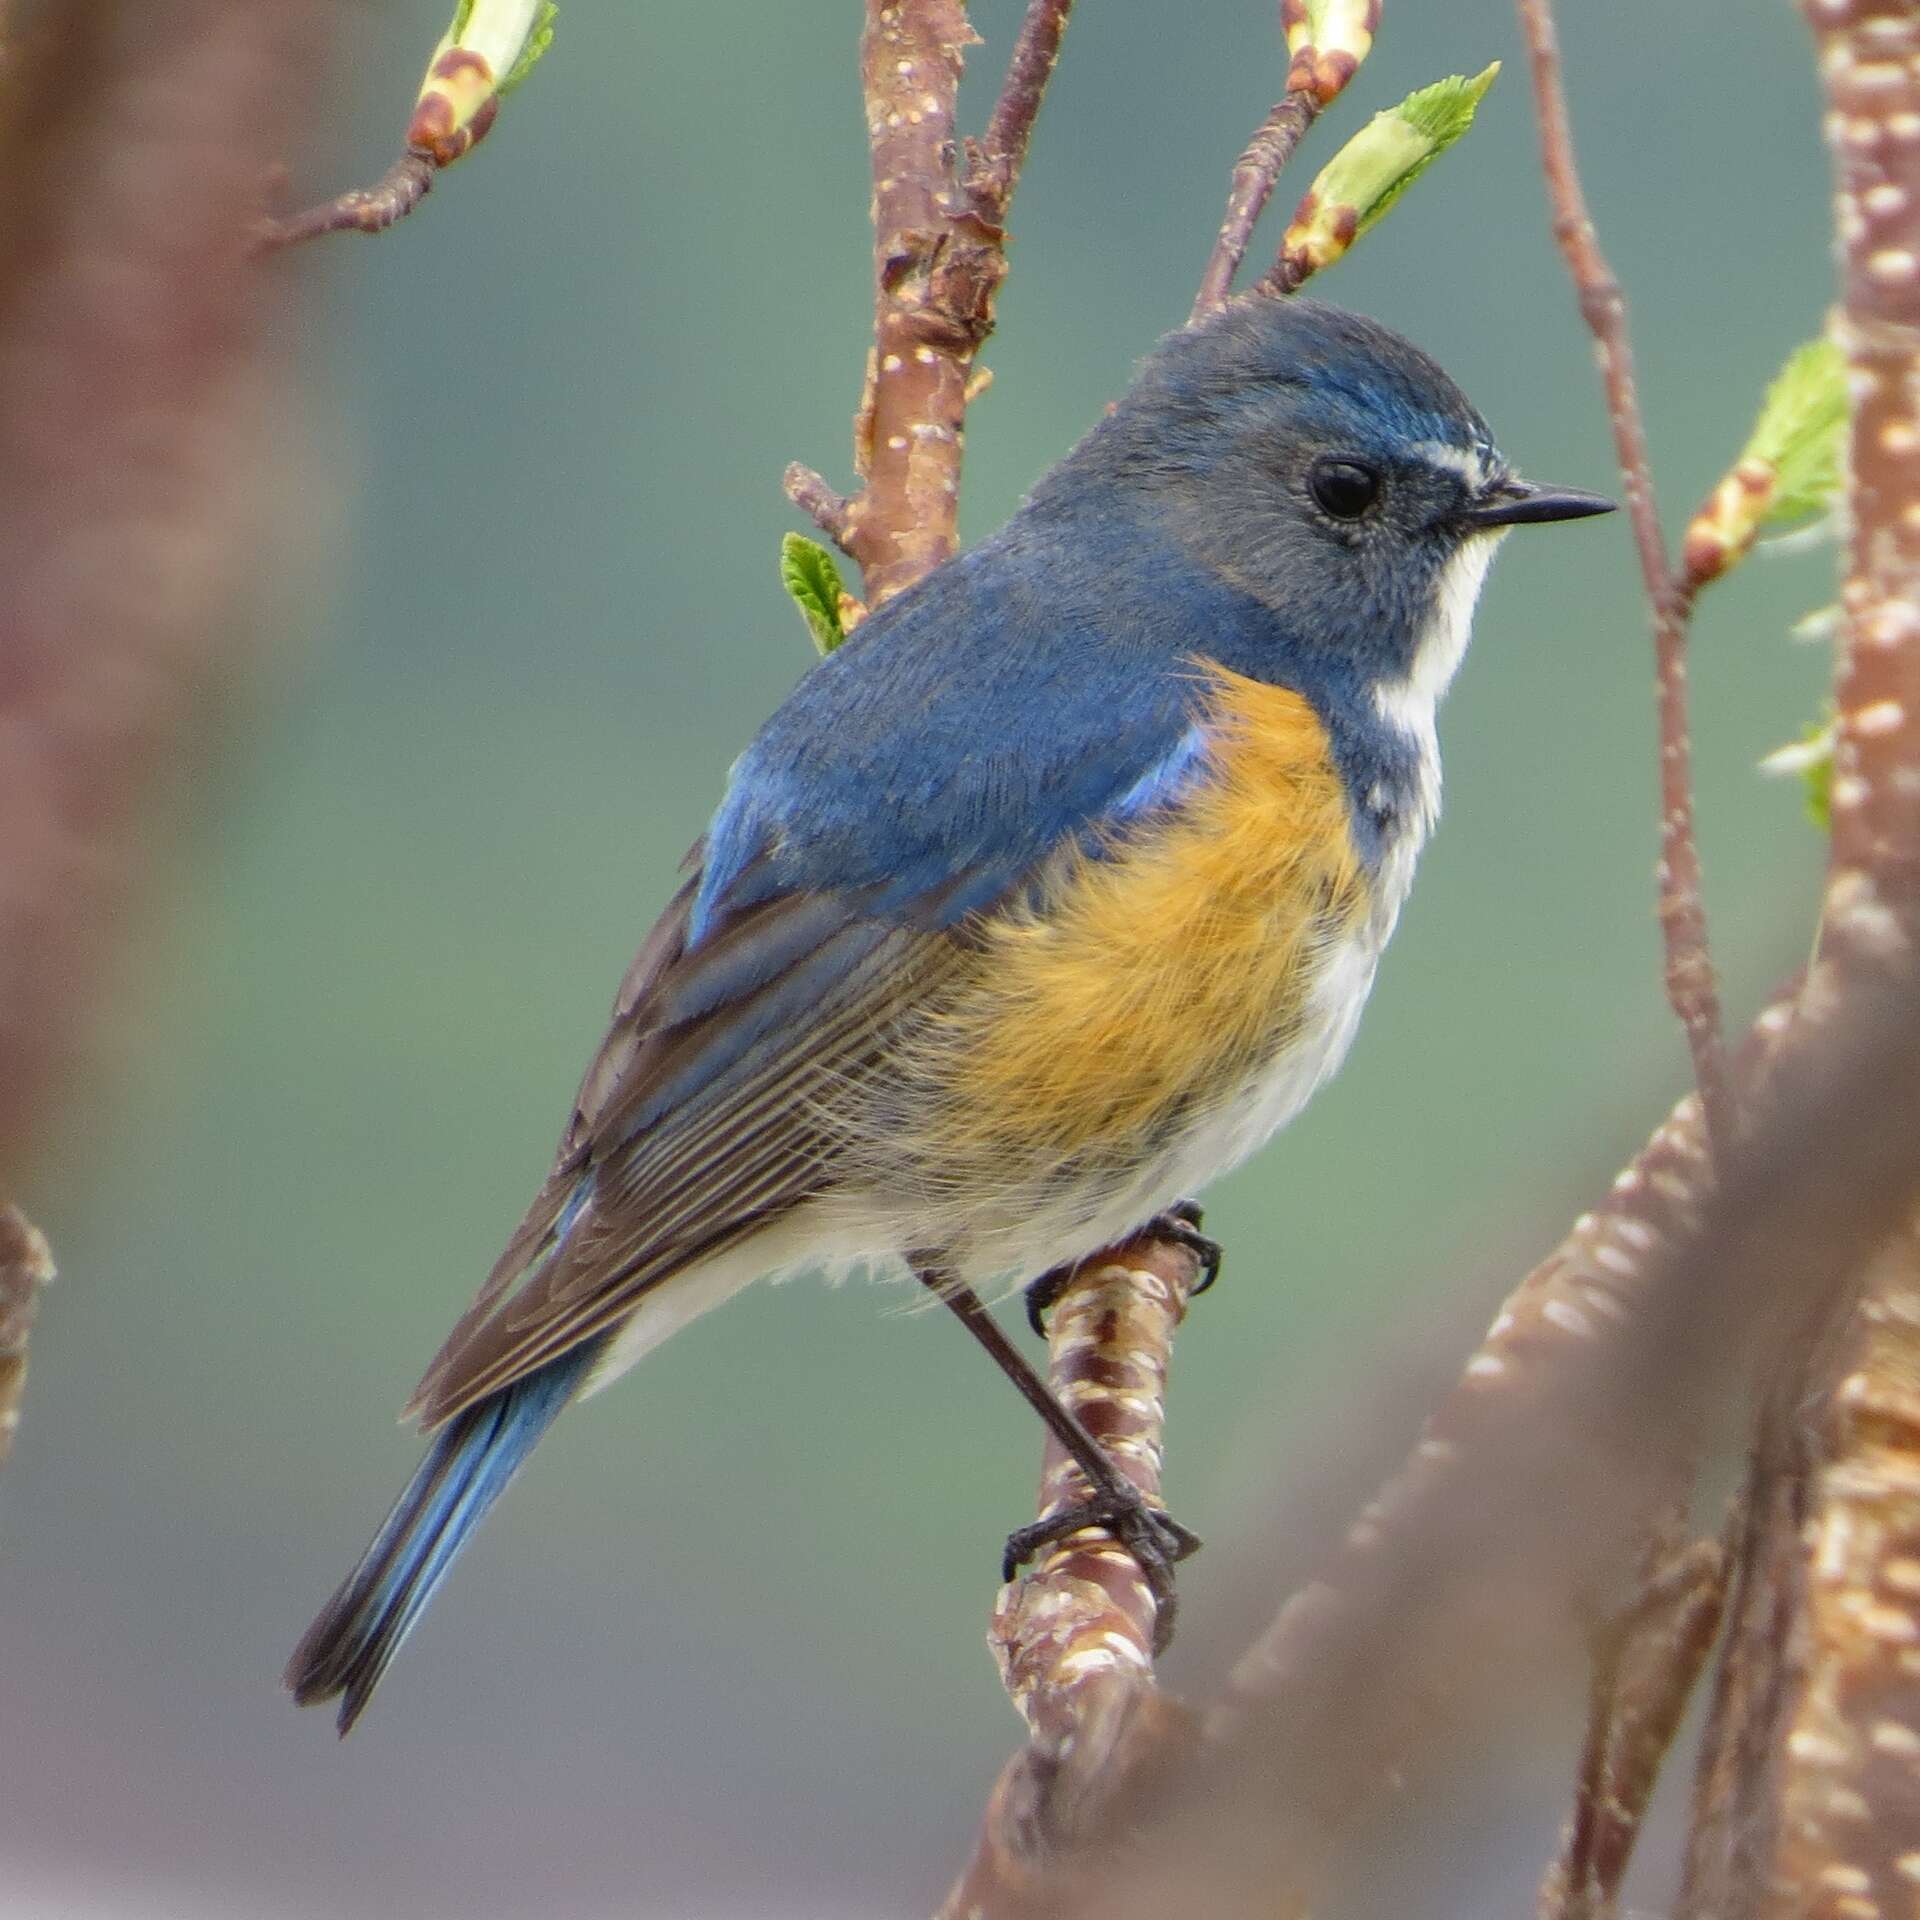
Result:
<point x="714" y="1167"/>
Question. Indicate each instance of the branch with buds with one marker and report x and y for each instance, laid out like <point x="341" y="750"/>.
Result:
<point x="490" y="47"/>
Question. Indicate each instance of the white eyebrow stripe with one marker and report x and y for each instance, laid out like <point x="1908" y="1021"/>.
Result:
<point x="1470" y="463"/>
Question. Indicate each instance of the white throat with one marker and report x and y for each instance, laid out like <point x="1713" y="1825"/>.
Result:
<point x="1409" y="704"/>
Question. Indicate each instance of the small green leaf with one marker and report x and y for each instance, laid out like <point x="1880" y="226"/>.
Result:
<point x="813" y="582"/>
<point x="539" y="39"/>
<point x="1799" y="433"/>
<point x="1810" y="759"/>
<point x="1789" y="468"/>
<point x="1363" y="180"/>
<point x="1396" y="147"/>
<point x="462" y="13"/>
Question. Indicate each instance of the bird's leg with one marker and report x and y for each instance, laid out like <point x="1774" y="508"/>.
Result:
<point x="1180" y="1224"/>
<point x="1155" y="1539"/>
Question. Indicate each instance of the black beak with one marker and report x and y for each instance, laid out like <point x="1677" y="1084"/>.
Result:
<point x="1514" y="503"/>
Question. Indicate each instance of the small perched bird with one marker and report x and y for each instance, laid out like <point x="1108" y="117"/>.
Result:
<point x="1043" y="900"/>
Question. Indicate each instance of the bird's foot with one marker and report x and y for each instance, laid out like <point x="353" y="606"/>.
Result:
<point x="1043" y="1293"/>
<point x="1180" y="1224"/>
<point x="1157" y="1541"/>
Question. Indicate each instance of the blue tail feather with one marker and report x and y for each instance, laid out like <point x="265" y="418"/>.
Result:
<point x="346" y="1650"/>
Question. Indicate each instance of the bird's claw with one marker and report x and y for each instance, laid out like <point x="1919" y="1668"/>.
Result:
<point x="1156" y="1540"/>
<point x="1180" y="1224"/>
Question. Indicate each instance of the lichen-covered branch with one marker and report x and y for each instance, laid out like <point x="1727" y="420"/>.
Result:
<point x="1075" y="1635"/>
<point x="1808" y="1797"/>
<point x="1868" y="54"/>
<point x="939" y="248"/>
<point x="1691" y="985"/>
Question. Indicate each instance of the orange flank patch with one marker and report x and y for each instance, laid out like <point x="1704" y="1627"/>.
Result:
<point x="1159" y="977"/>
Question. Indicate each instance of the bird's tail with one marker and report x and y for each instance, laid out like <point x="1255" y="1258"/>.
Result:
<point x="346" y="1650"/>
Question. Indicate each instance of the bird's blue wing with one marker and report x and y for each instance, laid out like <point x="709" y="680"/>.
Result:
<point x="945" y="755"/>
<point x="962" y="735"/>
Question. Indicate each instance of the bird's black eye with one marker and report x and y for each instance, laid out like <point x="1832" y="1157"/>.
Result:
<point x="1343" y="488"/>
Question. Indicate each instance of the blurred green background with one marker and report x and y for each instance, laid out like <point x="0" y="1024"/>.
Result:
<point x="720" y="1653"/>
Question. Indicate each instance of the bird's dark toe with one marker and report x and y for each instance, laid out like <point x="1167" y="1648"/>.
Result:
<point x="1156" y="1540"/>
<point x="1181" y="1224"/>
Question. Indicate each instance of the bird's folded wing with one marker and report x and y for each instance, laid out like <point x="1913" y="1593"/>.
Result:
<point x="709" y="1110"/>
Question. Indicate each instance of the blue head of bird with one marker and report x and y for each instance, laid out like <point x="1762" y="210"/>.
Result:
<point x="1329" y="471"/>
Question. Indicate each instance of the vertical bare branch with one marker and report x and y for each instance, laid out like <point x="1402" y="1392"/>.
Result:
<point x="939" y="257"/>
<point x="1691" y="986"/>
<point x="1867" y="57"/>
<point x="1808" y="1800"/>
<point x="1846" y="1748"/>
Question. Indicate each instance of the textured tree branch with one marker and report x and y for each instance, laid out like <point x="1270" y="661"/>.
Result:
<point x="939" y="211"/>
<point x="996" y="162"/>
<point x="1808" y="1796"/>
<point x="1691" y="985"/>
<point x="1075" y="1636"/>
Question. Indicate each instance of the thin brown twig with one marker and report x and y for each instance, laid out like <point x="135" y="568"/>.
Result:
<point x="1691" y="986"/>
<point x="359" y="210"/>
<point x="1248" y="192"/>
<point x="1003" y="147"/>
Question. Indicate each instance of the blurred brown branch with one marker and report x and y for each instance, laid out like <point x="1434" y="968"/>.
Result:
<point x="132" y="142"/>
